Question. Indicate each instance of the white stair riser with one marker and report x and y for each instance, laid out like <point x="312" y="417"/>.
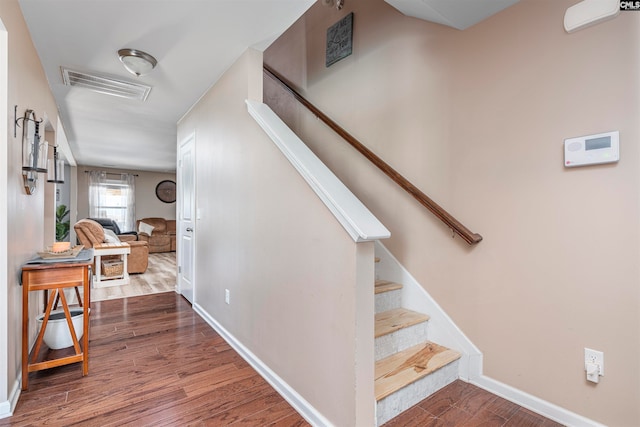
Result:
<point x="399" y="340"/>
<point x="386" y="301"/>
<point x="398" y="402"/>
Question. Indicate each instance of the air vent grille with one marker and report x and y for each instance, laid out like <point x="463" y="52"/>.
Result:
<point x="106" y="85"/>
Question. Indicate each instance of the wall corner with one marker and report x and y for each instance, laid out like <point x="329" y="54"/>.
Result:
<point x="255" y="79"/>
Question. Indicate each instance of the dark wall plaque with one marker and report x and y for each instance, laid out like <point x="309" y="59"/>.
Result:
<point x="340" y="40"/>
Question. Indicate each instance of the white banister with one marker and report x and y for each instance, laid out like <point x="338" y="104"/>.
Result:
<point x="356" y="219"/>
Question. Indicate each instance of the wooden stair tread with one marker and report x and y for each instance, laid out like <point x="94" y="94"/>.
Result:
<point x="393" y="320"/>
<point x="386" y="286"/>
<point x="408" y="366"/>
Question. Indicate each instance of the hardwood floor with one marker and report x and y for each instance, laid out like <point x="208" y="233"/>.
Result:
<point x="155" y="362"/>
<point x="152" y="361"/>
<point x="465" y="405"/>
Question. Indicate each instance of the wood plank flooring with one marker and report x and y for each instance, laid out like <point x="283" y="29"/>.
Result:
<point x="155" y="362"/>
<point x="464" y="405"/>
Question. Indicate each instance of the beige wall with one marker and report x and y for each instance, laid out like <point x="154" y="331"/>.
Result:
<point x="289" y="265"/>
<point x="27" y="88"/>
<point x="476" y="119"/>
<point x="147" y="204"/>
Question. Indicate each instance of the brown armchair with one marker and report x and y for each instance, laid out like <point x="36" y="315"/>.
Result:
<point x="91" y="233"/>
<point x="163" y="235"/>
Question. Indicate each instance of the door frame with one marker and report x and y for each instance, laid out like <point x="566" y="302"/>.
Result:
<point x="189" y="139"/>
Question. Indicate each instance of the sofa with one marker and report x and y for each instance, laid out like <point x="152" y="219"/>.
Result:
<point x="109" y="224"/>
<point x="90" y="233"/>
<point x="160" y="233"/>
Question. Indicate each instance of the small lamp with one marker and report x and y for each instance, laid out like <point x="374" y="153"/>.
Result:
<point x="136" y="61"/>
<point x="55" y="168"/>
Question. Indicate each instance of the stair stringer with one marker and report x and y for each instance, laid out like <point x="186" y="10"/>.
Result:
<point x="442" y="329"/>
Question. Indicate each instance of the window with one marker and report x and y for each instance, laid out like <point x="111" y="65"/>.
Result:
<point x="113" y="197"/>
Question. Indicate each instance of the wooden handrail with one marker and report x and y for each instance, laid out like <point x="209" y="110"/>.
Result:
<point x="455" y="225"/>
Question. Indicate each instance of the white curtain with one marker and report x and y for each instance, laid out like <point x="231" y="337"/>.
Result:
<point x="97" y="181"/>
<point x="130" y="218"/>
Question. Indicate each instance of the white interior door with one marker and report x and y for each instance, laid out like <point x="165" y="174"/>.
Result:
<point x="186" y="218"/>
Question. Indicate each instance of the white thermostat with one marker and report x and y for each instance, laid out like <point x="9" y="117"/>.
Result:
<point x="592" y="149"/>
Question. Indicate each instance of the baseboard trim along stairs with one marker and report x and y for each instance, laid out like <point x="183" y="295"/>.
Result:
<point x="411" y="295"/>
<point x="408" y="367"/>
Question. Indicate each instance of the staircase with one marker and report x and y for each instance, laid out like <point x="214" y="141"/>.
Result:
<point x="408" y="366"/>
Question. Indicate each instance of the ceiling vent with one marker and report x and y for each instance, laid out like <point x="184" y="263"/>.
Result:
<point x="106" y="85"/>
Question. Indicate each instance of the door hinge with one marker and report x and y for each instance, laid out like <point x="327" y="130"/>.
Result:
<point x="179" y="269"/>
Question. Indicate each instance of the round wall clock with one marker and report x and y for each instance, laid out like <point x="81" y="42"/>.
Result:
<point x="166" y="191"/>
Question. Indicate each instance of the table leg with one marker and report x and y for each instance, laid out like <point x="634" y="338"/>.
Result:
<point x="98" y="263"/>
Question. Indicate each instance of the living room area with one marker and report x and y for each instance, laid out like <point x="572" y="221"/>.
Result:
<point x="109" y="206"/>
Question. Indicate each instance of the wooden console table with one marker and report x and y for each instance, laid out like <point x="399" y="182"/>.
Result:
<point x="55" y="277"/>
<point x="123" y="249"/>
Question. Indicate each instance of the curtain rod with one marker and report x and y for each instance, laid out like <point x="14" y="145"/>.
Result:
<point x="115" y="173"/>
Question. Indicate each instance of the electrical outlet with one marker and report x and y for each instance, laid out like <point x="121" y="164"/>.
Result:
<point x="596" y="357"/>
<point x="227" y="296"/>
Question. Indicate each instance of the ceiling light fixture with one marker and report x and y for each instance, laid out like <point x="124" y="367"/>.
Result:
<point x="136" y="61"/>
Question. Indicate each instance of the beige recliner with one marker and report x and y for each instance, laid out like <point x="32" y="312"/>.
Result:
<point x="91" y="233"/>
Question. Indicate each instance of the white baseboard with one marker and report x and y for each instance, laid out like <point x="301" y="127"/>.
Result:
<point x="5" y="409"/>
<point x="8" y="406"/>
<point x="301" y="405"/>
<point x="533" y="403"/>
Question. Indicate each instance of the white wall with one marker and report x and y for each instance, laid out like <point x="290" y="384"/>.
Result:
<point x="291" y="269"/>
<point x="476" y="119"/>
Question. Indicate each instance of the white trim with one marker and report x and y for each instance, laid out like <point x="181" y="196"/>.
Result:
<point x="442" y="329"/>
<point x="535" y="404"/>
<point x="8" y="406"/>
<point x="298" y="402"/>
<point x="5" y="409"/>
<point x="354" y="216"/>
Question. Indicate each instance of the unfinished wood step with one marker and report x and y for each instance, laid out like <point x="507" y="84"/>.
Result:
<point x="397" y="330"/>
<point x="390" y="321"/>
<point x="406" y="378"/>
<point x="388" y="295"/>
<point x="407" y="366"/>
<point x="386" y="286"/>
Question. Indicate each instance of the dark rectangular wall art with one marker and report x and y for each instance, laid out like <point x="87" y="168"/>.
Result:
<point x="340" y="40"/>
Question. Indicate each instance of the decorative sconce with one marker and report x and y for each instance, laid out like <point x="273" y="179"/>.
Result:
<point x="34" y="149"/>
<point x="55" y="169"/>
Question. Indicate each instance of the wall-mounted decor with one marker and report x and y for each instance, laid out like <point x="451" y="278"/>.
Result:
<point x="166" y="191"/>
<point x="34" y="149"/>
<point x="340" y="40"/>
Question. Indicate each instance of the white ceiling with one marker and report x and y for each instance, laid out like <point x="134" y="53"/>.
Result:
<point x="194" y="41"/>
<point x="460" y="14"/>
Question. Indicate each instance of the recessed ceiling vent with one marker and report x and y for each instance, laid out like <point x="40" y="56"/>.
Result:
<point x="106" y="85"/>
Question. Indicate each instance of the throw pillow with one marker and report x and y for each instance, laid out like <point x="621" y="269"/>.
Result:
<point x="110" y="236"/>
<point x="145" y="228"/>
